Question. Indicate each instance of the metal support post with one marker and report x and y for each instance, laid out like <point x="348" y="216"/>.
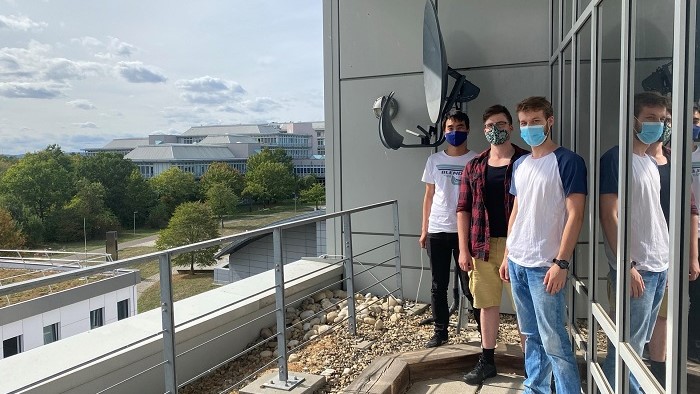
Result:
<point x="349" y="275"/>
<point x="283" y="382"/>
<point x="397" y="249"/>
<point x="168" y="320"/>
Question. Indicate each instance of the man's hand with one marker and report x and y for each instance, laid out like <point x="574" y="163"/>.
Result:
<point x="503" y="271"/>
<point x="637" y="283"/>
<point x="422" y="239"/>
<point x="555" y="279"/>
<point x="465" y="261"/>
<point x="694" y="269"/>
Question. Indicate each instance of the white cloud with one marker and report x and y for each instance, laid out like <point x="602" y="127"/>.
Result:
<point x="210" y="90"/>
<point x="86" y="125"/>
<point x="81" y="104"/>
<point x="262" y="104"/>
<point x="230" y="109"/>
<point x="59" y="69"/>
<point x="137" y="72"/>
<point x="121" y="48"/>
<point x="37" y="90"/>
<point x="21" y="23"/>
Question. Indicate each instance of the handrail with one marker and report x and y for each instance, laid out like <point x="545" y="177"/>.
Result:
<point x="39" y="282"/>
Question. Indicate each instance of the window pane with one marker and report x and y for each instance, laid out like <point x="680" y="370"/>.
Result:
<point x="96" y="318"/>
<point x="12" y="346"/>
<point x="51" y="333"/>
<point x="122" y="309"/>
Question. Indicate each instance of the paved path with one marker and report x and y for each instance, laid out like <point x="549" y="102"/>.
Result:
<point x="451" y="384"/>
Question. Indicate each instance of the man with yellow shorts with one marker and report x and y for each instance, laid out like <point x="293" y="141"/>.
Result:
<point x="483" y="210"/>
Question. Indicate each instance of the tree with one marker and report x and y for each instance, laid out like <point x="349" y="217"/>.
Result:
<point x="314" y="194"/>
<point x="255" y="192"/>
<point x="269" y="156"/>
<point x="174" y="187"/>
<point x="40" y="181"/>
<point x="275" y="179"/>
<point x="221" y="200"/>
<point x="222" y="173"/>
<point x="192" y="222"/>
<point x="140" y="197"/>
<point x="113" y="172"/>
<point x="10" y="236"/>
<point x="305" y="182"/>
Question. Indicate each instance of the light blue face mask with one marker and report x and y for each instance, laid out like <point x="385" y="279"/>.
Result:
<point x="533" y="135"/>
<point x="650" y="132"/>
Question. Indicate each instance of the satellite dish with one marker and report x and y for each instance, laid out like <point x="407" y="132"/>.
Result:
<point x="436" y="72"/>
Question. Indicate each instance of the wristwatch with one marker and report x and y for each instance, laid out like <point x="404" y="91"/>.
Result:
<point x="563" y="264"/>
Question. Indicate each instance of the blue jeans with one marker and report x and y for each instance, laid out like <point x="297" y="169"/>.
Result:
<point x="643" y="312"/>
<point x="541" y="317"/>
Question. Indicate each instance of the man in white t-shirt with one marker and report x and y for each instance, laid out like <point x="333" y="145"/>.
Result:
<point x="649" y="239"/>
<point x="442" y="176"/>
<point x="694" y="285"/>
<point x="550" y="188"/>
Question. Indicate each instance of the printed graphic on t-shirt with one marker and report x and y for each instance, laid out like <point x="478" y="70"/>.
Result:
<point x="451" y="171"/>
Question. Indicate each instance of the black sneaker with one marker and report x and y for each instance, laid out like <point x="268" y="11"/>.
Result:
<point x="436" y="341"/>
<point x="481" y="372"/>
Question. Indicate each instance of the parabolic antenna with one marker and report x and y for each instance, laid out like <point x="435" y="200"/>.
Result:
<point x="434" y="63"/>
<point x="435" y="74"/>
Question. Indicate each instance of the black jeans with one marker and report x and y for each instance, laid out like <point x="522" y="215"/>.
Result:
<point x="442" y="248"/>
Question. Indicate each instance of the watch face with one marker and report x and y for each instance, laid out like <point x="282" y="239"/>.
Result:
<point x="563" y="264"/>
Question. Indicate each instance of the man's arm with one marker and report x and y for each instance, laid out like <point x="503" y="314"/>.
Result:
<point x="463" y="226"/>
<point x="427" y="204"/>
<point x="503" y="271"/>
<point x="694" y="264"/>
<point x="555" y="279"/>
<point x="609" y="222"/>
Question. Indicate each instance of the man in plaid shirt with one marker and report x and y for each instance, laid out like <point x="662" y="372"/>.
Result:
<point x="483" y="210"/>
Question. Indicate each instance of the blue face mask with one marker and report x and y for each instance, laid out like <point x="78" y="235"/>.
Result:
<point x="457" y="137"/>
<point x="533" y="135"/>
<point x="650" y="132"/>
<point x="696" y="133"/>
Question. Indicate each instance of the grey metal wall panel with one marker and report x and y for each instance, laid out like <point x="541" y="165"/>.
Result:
<point x="380" y="38"/>
<point x="483" y="33"/>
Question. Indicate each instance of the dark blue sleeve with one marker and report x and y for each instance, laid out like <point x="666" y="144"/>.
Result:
<point x="572" y="170"/>
<point x="515" y="167"/>
<point x="609" y="171"/>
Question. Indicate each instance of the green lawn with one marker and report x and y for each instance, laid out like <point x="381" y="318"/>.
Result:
<point x="184" y="285"/>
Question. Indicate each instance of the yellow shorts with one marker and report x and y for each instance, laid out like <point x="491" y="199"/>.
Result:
<point x="485" y="282"/>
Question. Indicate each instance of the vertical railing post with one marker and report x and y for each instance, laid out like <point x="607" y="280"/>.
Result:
<point x="397" y="249"/>
<point x="279" y="304"/>
<point x="349" y="275"/>
<point x="168" y="320"/>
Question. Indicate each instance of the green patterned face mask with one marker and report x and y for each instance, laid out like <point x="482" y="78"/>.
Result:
<point x="496" y="136"/>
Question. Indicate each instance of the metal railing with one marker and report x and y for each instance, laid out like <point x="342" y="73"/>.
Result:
<point x="168" y="331"/>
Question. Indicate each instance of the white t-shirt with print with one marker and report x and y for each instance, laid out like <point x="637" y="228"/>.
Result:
<point x="696" y="177"/>
<point x="649" y="240"/>
<point x="445" y="172"/>
<point x="541" y="186"/>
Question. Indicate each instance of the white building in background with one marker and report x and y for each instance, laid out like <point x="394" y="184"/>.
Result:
<point x="195" y="149"/>
<point x="39" y="321"/>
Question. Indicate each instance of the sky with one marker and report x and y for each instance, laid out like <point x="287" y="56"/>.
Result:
<point x="81" y="73"/>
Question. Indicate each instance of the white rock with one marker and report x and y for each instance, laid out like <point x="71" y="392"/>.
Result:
<point x="346" y="371"/>
<point x="319" y="296"/>
<point x="368" y="296"/>
<point x="324" y="319"/>
<point x="265" y="333"/>
<point x="375" y="308"/>
<point x="392" y="301"/>
<point x="331" y="316"/>
<point x="309" y="334"/>
<point x="328" y="372"/>
<point x="343" y="304"/>
<point x="266" y="354"/>
<point x="385" y="306"/>
<point x="379" y="325"/>
<point x="323" y="329"/>
<point x="306" y="314"/>
<point x="398" y="309"/>
<point x="338" y="293"/>
<point x="329" y="293"/>
<point x="369" y="320"/>
<point x="395" y="317"/>
<point x="293" y="358"/>
<point x="375" y="299"/>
